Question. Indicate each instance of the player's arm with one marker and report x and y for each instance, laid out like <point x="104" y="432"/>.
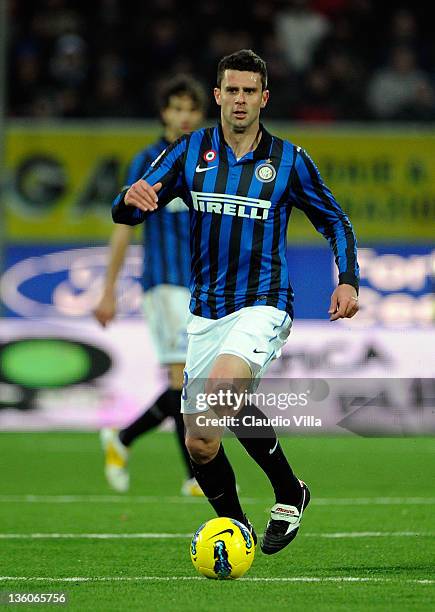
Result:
<point x="310" y="194"/>
<point x="155" y="189"/>
<point x="106" y="308"/>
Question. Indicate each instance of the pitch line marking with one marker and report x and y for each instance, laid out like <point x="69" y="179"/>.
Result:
<point x="144" y="499"/>
<point x="168" y="536"/>
<point x="349" y="579"/>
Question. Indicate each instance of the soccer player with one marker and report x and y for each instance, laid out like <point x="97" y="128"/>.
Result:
<point x="165" y="280"/>
<point x="241" y="183"/>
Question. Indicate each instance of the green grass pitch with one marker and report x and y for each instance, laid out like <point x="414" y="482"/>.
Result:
<point x="367" y="541"/>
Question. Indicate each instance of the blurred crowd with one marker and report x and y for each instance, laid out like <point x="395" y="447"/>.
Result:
<point x="328" y="60"/>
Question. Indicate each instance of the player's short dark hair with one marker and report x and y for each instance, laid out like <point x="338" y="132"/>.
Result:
<point x="182" y="85"/>
<point x="244" y="60"/>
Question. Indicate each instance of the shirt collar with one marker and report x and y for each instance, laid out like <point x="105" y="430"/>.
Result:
<point x="263" y="149"/>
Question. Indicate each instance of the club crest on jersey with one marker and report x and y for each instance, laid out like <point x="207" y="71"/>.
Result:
<point x="265" y="173"/>
<point x="209" y="155"/>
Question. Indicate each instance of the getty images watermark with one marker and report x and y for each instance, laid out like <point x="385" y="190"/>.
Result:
<point x="233" y="403"/>
<point x="361" y="406"/>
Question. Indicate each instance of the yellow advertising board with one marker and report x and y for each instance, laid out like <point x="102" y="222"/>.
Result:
<point x="384" y="180"/>
<point x="62" y="178"/>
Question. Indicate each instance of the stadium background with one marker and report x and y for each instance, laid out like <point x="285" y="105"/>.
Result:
<point x="81" y="86"/>
<point x="353" y="82"/>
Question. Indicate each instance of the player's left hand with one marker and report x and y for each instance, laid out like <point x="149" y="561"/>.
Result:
<point x="344" y="303"/>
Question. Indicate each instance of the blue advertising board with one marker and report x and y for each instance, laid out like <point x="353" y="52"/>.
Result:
<point x="45" y="281"/>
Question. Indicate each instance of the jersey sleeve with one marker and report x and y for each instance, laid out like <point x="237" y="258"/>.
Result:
<point x="136" y="168"/>
<point x="167" y="169"/>
<point x="310" y="194"/>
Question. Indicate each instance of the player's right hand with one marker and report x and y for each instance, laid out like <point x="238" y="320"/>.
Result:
<point x="142" y="195"/>
<point x="106" y="310"/>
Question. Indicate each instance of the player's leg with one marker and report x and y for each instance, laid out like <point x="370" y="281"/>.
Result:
<point x="291" y="494"/>
<point x="116" y="443"/>
<point x="190" y="485"/>
<point x="210" y="464"/>
<point x="257" y="338"/>
<point x="165" y="308"/>
<point x="262" y="444"/>
<point x="214" y="472"/>
<point x="165" y="406"/>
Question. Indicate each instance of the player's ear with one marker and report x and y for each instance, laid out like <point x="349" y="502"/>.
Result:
<point x="264" y="98"/>
<point x="217" y="95"/>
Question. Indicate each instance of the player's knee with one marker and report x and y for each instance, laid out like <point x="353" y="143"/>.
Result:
<point x="224" y="396"/>
<point x="231" y="368"/>
<point x="200" y="450"/>
<point x="218" y="385"/>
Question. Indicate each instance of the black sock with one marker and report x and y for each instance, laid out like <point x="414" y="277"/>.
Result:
<point x="268" y="454"/>
<point x="180" y="432"/>
<point x="216" y="478"/>
<point x="168" y="404"/>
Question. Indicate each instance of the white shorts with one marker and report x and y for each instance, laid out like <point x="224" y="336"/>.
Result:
<point x="256" y="334"/>
<point x="166" y="308"/>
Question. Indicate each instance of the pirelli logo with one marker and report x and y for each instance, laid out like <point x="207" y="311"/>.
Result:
<point x="236" y="206"/>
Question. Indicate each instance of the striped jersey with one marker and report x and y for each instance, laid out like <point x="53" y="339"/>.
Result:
<point x="166" y="235"/>
<point x="239" y="212"/>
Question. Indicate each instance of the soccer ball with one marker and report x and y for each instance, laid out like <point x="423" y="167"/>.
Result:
<point x="222" y="548"/>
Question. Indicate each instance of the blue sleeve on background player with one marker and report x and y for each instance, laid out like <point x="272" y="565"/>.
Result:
<point x="310" y="194"/>
<point x="165" y="169"/>
<point x="137" y="167"/>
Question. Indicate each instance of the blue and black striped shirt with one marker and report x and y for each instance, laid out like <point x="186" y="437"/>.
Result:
<point x="166" y="235"/>
<point x="239" y="212"/>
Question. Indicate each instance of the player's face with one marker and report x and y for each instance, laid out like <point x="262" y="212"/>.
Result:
<point x="181" y="116"/>
<point x="241" y="98"/>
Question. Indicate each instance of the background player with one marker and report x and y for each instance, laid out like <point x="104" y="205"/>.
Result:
<point x="241" y="183"/>
<point x="166" y="273"/>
